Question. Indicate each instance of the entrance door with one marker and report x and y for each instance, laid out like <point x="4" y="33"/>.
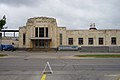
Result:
<point x="42" y="44"/>
<point x="36" y="44"/>
<point x="46" y="44"/>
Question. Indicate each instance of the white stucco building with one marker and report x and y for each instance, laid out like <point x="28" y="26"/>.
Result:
<point x="43" y="32"/>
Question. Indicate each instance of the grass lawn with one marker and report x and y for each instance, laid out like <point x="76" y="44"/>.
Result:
<point x="2" y="55"/>
<point x="99" y="55"/>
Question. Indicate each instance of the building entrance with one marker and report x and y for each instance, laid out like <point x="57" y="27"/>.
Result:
<point x="41" y="44"/>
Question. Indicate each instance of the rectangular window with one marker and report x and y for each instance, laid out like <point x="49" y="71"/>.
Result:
<point x="90" y="41"/>
<point x="24" y="40"/>
<point x="101" y="41"/>
<point x="0" y="34"/>
<point x="80" y="41"/>
<point x="41" y="32"/>
<point x="60" y="39"/>
<point x="36" y="32"/>
<point x="113" y="40"/>
<point x="70" y="41"/>
<point x="46" y="32"/>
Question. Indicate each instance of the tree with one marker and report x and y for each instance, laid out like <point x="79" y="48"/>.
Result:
<point x="2" y="22"/>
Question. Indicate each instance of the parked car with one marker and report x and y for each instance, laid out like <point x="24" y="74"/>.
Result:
<point x="7" y="47"/>
<point x="67" y="48"/>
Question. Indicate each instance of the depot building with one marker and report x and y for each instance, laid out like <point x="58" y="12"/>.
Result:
<point x="43" y="32"/>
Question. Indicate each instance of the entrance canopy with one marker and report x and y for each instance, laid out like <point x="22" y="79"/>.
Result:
<point x="41" y="38"/>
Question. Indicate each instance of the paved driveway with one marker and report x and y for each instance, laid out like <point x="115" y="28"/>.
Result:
<point x="24" y="65"/>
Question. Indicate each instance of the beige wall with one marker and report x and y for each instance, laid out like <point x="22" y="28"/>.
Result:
<point x="62" y="30"/>
<point x="10" y="40"/>
<point x="21" y="31"/>
<point x="29" y="29"/>
<point x="95" y="34"/>
<point x="54" y="33"/>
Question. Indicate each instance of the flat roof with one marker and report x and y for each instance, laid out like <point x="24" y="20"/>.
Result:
<point x="9" y="30"/>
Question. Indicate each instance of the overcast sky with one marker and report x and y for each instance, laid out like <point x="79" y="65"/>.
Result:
<point x="73" y="14"/>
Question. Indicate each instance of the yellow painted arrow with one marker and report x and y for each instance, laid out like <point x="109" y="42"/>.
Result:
<point x="43" y="77"/>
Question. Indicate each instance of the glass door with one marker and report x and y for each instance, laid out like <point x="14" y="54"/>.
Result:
<point x="46" y="44"/>
<point x="41" y="43"/>
<point x="36" y="44"/>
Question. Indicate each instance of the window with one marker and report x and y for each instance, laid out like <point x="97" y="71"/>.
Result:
<point x="46" y="32"/>
<point x="90" y="41"/>
<point x="70" y="41"/>
<point x="101" y="41"/>
<point x="60" y="39"/>
<point x="24" y="40"/>
<point x="80" y="41"/>
<point x="0" y="34"/>
<point x="41" y="32"/>
<point x="36" y="32"/>
<point x="113" y="40"/>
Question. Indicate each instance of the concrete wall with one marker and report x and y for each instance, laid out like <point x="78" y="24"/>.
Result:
<point x="21" y="31"/>
<point x="29" y="29"/>
<point x="10" y="40"/>
<point x="54" y="33"/>
<point x="100" y="49"/>
<point x="95" y="34"/>
<point x="62" y="30"/>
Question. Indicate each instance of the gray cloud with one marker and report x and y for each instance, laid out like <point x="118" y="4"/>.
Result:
<point x="70" y="13"/>
<point x="20" y="2"/>
<point x="105" y="13"/>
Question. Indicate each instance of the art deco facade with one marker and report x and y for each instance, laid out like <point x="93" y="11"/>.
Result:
<point x="43" y="32"/>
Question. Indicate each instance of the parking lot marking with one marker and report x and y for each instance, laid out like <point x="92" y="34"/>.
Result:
<point x="47" y="66"/>
<point x="111" y="75"/>
<point x="43" y="77"/>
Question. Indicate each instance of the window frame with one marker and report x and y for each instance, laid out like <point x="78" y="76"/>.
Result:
<point x="60" y="38"/>
<point x="24" y="38"/>
<point x="36" y="31"/>
<point x="41" y="32"/>
<point x="90" y="41"/>
<point x="101" y="41"/>
<point x="70" y="41"/>
<point x="113" y="40"/>
<point x="46" y="31"/>
<point x="80" y="41"/>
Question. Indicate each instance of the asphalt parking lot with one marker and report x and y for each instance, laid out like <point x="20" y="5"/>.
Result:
<point x="22" y="65"/>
